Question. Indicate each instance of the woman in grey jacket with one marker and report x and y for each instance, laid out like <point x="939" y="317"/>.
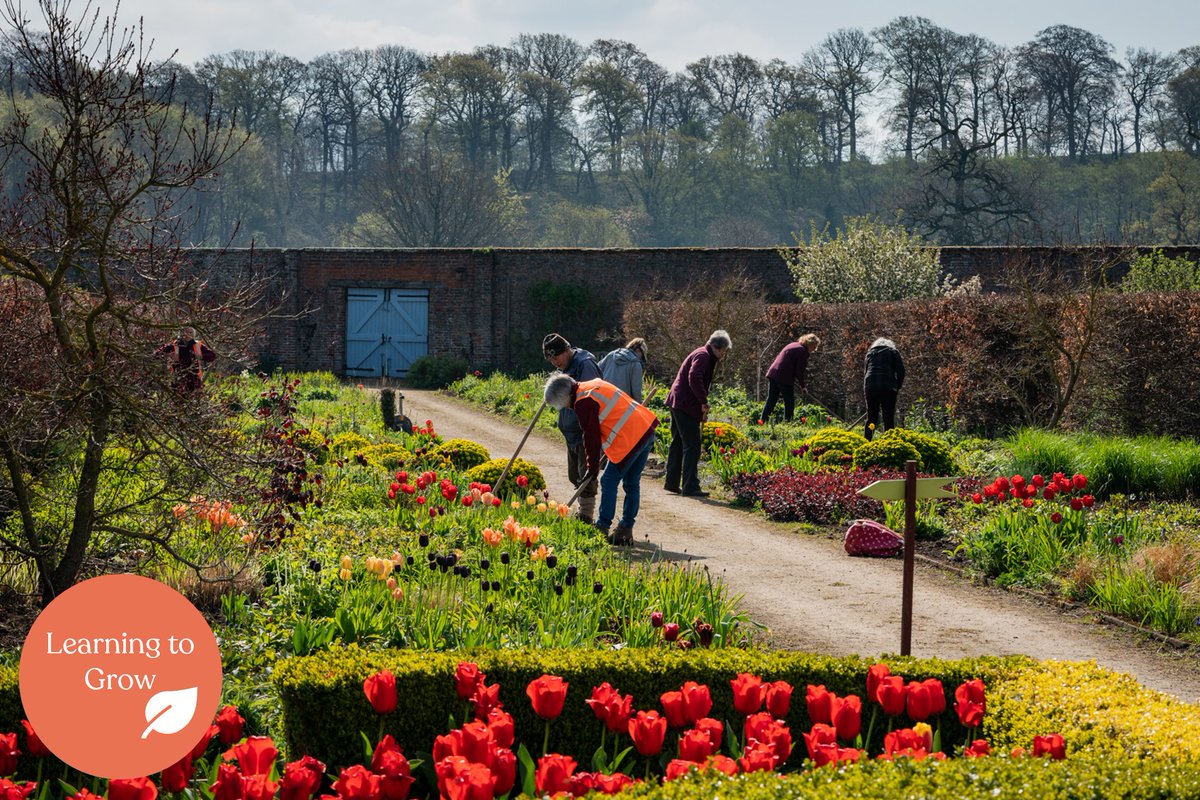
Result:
<point x="624" y="366"/>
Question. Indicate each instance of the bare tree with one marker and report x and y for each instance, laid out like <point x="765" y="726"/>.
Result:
<point x="1143" y="79"/>
<point x="94" y="437"/>
<point x="843" y="65"/>
<point x="392" y="83"/>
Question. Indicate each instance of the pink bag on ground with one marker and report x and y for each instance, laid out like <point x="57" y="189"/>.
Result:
<point x="866" y="537"/>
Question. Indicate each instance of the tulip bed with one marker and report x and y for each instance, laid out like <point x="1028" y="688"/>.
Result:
<point x="402" y="630"/>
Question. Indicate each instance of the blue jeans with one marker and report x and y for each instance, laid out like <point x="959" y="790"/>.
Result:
<point x="629" y="474"/>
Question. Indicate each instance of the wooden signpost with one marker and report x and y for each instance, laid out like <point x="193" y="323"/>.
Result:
<point x="910" y="489"/>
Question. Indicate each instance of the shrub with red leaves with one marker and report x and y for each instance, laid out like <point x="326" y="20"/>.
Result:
<point x="788" y="495"/>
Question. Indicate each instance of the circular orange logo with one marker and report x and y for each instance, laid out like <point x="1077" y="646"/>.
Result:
<point x="120" y="676"/>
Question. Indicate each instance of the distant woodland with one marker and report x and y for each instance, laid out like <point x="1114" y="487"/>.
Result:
<point x="550" y="141"/>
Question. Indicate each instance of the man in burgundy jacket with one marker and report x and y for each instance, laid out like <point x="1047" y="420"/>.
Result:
<point x="688" y="401"/>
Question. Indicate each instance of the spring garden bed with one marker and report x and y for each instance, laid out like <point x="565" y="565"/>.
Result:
<point x="402" y="560"/>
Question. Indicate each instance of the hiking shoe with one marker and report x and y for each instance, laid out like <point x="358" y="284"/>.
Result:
<point x="621" y="536"/>
<point x="672" y="489"/>
<point x="602" y="528"/>
<point x="696" y="493"/>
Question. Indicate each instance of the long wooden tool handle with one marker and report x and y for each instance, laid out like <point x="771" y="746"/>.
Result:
<point x="508" y="466"/>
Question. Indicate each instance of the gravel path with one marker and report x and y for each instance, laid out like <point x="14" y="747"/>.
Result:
<point x="814" y="597"/>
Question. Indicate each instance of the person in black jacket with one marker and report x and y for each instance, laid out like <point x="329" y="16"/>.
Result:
<point x="881" y="384"/>
<point x="580" y="365"/>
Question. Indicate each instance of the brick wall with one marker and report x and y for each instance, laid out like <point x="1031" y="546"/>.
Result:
<point x="479" y="300"/>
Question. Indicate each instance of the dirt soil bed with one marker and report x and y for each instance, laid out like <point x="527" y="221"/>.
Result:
<point x="812" y="596"/>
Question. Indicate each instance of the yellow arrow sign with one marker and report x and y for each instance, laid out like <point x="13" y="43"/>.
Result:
<point x="927" y="489"/>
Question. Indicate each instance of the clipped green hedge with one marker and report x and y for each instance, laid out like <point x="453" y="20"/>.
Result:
<point x="324" y="707"/>
<point x="1092" y="777"/>
<point x="489" y="472"/>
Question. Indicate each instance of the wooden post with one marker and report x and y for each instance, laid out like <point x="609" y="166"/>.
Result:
<point x="910" y="543"/>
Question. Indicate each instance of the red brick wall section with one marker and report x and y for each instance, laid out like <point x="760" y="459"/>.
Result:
<point x="480" y="300"/>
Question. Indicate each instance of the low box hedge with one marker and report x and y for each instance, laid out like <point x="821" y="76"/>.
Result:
<point x="1092" y="777"/>
<point x="324" y="708"/>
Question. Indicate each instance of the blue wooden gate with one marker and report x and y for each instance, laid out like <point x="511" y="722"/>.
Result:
<point x="386" y="330"/>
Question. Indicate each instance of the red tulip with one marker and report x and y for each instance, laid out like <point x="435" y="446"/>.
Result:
<point x="476" y="742"/>
<point x="229" y="725"/>
<point x="891" y="695"/>
<point x="500" y="722"/>
<point x="723" y="764"/>
<point x="925" y="699"/>
<point x="485" y="699"/>
<point x="766" y="729"/>
<point x="8" y="753"/>
<point x="694" y="745"/>
<point x="846" y="713"/>
<point x="503" y="764"/>
<point x="820" y="735"/>
<point x="1056" y="517"/>
<point x="230" y="784"/>
<point x="970" y="703"/>
<point x="713" y="729"/>
<point x="554" y="774"/>
<point x="779" y="698"/>
<point x="875" y="676"/>
<point x="1076" y="504"/>
<point x="33" y="743"/>
<point x="670" y="631"/>
<point x="1038" y="481"/>
<point x="301" y="778"/>
<point x="905" y="739"/>
<point x="132" y="789"/>
<point x="977" y="498"/>
<point x="612" y="784"/>
<point x="648" y="730"/>
<point x="175" y="777"/>
<point x="678" y="767"/>
<point x="459" y="779"/>
<point x="547" y="693"/>
<point x="819" y="699"/>
<point x="1088" y="501"/>
<point x="1052" y="745"/>
<point x="601" y="695"/>
<point x="357" y="783"/>
<point x="255" y="756"/>
<point x="697" y="701"/>
<point x="259" y="787"/>
<point x="759" y="757"/>
<point x="1079" y="481"/>
<point x="395" y="773"/>
<point x="977" y="749"/>
<point x="380" y="689"/>
<point x="202" y="746"/>
<point x="1049" y="492"/>
<point x="673" y="707"/>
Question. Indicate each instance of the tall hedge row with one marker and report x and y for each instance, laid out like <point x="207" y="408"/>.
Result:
<point x="324" y="707"/>
<point x="1123" y="360"/>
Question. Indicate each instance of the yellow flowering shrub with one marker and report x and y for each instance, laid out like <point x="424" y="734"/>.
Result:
<point x="1096" y="710"/>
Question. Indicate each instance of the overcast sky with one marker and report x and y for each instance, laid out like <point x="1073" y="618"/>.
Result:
<point x="673" y="32"/>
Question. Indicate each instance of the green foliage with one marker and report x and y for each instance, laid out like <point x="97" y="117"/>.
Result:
<point x="385" y="455"/>
<point x="1118" y="778"/>
<point x="934" y="455"/>
<point x="838" y="439"/>
<point x="435" y="372"/>
<point x="348" y="443"/>
<point x="316" y="689"/>
<point x="719" y="434"/>
<point x="489" y="472"/>
<point x="1042" y="452"/>
<point x="462" y="454"/>
<point x="887" y="452"/>
<point x="1157" y="272"/>
<point x="835" y="459"/>
<point x="576" y="310"/>
<point x="314" y="443"/>
<point x="864" y="261"/>
<point x="982" y="457"/>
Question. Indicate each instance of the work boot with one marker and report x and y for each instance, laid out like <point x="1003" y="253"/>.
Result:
<point x="603" y="529"/>
<point x="621" y="536"/>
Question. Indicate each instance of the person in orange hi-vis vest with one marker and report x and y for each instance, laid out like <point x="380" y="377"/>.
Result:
<point x="622" y="429"/>
<point x="188" y="355"/>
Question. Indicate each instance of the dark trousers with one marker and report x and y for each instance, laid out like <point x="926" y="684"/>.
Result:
<point x="683" y="458"/>
<point x="775" y="390"/>
<point x="880" y="400"/>
<point x="576" y="469"/>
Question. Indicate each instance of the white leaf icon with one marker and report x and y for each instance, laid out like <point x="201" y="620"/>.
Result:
<point x="170" y="712"/>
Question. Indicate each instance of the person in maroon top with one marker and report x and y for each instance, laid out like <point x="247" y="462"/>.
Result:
<point x="187" y="356"/>
<point x="688" y="401"/>
<point x="786" y="371"/>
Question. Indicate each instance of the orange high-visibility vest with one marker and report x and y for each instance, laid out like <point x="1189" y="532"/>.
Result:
<point x="196" y="351"/>
<point x="623" y="421"/>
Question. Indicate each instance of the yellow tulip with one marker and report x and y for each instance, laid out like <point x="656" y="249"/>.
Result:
<point x="346" y="562"/>
<point x="344" y="574"/>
